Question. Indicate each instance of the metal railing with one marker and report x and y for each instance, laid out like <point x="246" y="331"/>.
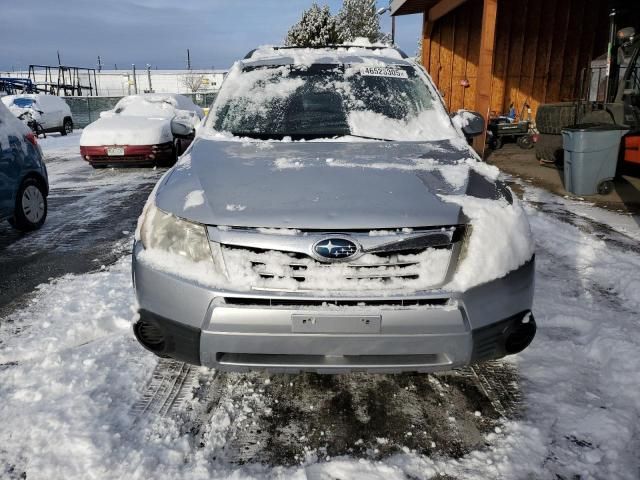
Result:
<point x="87" y="109"/>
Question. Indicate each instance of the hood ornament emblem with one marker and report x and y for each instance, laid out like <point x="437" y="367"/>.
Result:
<point x="335" y="249"/>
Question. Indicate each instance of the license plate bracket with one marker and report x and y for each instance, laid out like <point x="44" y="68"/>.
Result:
<point x="323" y="323"/>
<point x="115" y="151"/>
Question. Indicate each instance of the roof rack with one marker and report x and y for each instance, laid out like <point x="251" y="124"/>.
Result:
<point x="325" y="47"/>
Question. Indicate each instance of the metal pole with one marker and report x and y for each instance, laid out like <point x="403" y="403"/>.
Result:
<point x="135" y="80"/>
<point x="149" y="78"/>
<point x="58" y="52"/>
<point x="99" y="64"/>
<point x="188" y="59"/>
<point x="610" y="53"/>
<point x="393" y="30"/>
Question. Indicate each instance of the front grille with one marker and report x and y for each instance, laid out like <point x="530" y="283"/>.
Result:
<point x="396" y="262"/>
<point x="381" y="303"/>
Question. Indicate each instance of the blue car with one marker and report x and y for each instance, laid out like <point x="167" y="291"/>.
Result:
<point x="24" y="185"/>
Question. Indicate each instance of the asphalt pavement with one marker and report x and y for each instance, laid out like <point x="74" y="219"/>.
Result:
<point x="92" y="214"/>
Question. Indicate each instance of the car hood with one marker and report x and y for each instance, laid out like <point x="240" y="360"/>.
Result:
<point x="127" y="130"/>
<point x="322" y="185"/>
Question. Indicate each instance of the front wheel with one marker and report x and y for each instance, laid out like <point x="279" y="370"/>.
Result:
<point x="525" y="142"/>
<point x="31" y="206"/>
<point x="605" y="188"/>
<point x="67" y="127"/>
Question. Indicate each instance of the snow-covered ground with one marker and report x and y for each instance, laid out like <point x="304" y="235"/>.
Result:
<point x="78" y="395"/>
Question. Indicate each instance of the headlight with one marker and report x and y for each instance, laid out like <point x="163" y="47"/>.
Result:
<point x="163" y="231"/>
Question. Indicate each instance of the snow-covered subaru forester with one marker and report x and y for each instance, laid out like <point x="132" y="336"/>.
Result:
<point x="330" y="216"/>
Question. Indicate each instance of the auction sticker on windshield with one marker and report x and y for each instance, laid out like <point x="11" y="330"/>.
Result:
<point x="384" y="72"/>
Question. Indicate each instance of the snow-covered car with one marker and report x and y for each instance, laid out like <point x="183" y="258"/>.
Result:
<point x="24" y="183"/>
<point x="331" y="216"/>
<point x="147" y="129"/>
<point x="49" y="112"/>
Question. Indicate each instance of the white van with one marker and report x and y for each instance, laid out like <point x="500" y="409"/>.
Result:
<point x="52" y="113"/>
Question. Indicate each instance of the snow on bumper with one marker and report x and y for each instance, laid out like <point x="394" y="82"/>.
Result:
<point x="426" y="331"/>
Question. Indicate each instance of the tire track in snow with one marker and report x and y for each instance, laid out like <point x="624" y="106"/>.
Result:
<point x="587" y="309"/>
<point x="171" y="385"/>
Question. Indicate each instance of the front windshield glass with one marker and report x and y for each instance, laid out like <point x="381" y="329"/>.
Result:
<point x="324" y="101"/>
<point x="23" y="102"/>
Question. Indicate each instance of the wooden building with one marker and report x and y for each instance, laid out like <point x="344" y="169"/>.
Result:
<point x="485" y="55"/>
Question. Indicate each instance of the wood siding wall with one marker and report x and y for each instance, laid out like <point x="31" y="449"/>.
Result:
<point x="541" y="48"/>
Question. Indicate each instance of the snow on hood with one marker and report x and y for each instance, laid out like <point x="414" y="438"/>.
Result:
<point x="127" y="130"/>
<point x="307" y="185"/>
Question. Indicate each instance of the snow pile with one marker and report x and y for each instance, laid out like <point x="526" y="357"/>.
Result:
<point x="499" y="240"/>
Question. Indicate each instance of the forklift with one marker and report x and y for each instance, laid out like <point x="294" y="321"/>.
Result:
<point x="610" y="93"/>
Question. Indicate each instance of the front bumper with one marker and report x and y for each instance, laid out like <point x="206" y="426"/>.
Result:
<point x="428" y="331"/>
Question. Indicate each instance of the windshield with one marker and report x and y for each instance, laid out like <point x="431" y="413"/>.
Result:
<point x="324" y="101"/>
<point x="23" y="102"/>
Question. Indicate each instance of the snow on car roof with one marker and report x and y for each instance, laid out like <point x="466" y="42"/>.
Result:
<point x="155" y="103"/>
<point x="338" y="54"/>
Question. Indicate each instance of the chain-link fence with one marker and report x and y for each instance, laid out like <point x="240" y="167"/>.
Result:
<point x="87" y="109"/>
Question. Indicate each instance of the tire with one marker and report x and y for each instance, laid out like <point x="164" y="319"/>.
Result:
<point x="31" y="206"/>
<point x="98" y="166"/>
<point x="171" y="161"/>
<point x="549" y="149"/>
<point x="552" y="118"/>
<point x="67" y="127"/>
<point x="525" y="142"/>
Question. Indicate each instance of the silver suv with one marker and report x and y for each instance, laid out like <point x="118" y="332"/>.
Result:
<point x="330" y="216"/>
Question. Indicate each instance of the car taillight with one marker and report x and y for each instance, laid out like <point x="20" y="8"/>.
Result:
<point x="31" y="138"/>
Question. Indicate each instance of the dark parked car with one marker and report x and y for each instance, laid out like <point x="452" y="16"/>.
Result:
<point x="24" y="185"/>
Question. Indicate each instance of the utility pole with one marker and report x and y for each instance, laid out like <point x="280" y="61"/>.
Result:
<point x="59" y="62"/>
<point x="188" y="59"/>
<point x="135" y="80"/>
<point x="99" y="64"/>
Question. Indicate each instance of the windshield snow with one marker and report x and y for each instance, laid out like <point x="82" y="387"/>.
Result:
<point x="324" y="101"/>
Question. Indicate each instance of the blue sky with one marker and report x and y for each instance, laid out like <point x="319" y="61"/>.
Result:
<point x="157" y="32"/>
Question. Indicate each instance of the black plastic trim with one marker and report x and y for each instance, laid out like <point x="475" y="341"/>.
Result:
<point x="181" y="342"/>
<point x="490" y="342"/>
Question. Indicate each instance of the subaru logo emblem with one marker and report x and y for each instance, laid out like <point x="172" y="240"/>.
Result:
<point x="335" y="249"/>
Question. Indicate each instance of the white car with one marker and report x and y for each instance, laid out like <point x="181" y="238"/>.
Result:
<point x="149" y="129"/>
<point x="51" y="113"/>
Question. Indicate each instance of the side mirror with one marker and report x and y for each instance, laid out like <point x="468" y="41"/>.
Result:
<point x="471" y="123"/>
<point x="182" y="127"/>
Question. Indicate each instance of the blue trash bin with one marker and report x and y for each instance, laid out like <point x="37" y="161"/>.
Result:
<point x="591" y="157"/>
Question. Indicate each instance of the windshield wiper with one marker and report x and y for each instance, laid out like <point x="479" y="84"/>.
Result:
<point x="369" y="138"/>
<point x="303" y="136"/>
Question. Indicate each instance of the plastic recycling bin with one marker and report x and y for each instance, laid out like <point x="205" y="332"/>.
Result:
<point x="591" y="157"/>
